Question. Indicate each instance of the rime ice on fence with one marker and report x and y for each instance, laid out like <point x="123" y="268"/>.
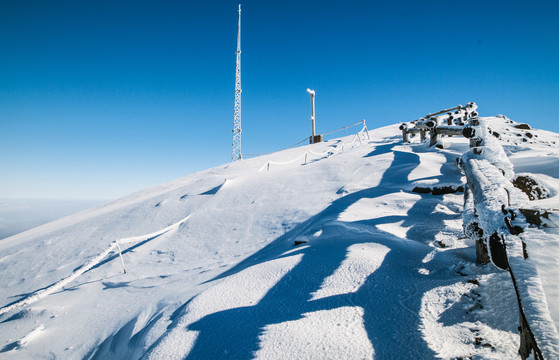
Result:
<point x="490" y="218"/>
<point x="446" y="122"/>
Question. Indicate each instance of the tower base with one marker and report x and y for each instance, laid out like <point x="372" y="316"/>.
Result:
<point x="315" y="139"/>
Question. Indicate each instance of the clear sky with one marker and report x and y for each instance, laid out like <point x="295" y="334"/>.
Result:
<point x="102" y="98"/>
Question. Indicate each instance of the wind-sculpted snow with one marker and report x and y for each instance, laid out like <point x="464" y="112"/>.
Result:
<point x="388" y="293"/>
<point x="379" y="272"/>
<point x="38" y="295"/>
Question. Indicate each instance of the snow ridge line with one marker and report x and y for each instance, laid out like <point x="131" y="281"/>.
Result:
<point x="96" y="260"/>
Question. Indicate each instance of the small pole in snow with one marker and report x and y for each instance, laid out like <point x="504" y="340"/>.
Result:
<point x="121" y="259"/>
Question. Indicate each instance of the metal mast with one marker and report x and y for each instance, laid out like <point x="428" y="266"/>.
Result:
<point x="236" y="151"/>
<point x="312" y="93"/>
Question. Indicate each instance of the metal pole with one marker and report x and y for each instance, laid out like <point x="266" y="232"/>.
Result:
<point x="311" y="92"/>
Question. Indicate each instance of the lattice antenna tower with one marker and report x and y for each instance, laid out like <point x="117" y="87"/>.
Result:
<point x="236" y="149"/>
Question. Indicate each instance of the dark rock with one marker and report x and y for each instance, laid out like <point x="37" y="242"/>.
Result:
<point x="421" y="190"/>
<point x="531" y="187"/>
<point x="534" y="217"/>
<point x="438" y="190"/>
<point x="447" y="190"/>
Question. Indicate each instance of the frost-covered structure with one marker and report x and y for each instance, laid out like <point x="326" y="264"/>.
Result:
<point x="490" y="217"/>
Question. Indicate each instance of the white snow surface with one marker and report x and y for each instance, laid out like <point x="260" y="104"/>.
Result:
<point x="212" y="271"/>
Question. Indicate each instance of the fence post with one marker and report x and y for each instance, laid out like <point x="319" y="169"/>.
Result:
<point x="121" y="259"/>
<point x="434" y="137"/>
<point x="367" y="130"/>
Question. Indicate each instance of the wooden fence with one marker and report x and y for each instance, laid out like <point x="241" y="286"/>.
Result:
<point x="491" y="219"/>
<point x="447" y="122"/>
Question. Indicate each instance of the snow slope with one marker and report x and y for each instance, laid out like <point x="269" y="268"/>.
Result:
<point x="212" y="270"/>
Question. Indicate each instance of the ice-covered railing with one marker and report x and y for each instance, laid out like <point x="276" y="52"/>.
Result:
<point x="491" y="219"/>
<point x="115" y="245"/>
<point x="447" y="122"/>
<point x="339" y="147"/>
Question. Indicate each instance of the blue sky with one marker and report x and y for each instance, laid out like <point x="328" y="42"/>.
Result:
<point x="102" y="98"/>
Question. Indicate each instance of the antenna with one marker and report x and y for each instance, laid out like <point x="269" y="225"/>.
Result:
<point x="236" y="149"/>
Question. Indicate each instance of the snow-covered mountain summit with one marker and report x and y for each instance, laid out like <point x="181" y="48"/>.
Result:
<point x="321" y="251"/>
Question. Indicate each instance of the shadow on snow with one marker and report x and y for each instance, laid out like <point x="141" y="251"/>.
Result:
<point x="390" y="297"/>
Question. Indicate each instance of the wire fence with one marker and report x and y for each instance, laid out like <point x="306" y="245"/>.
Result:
<point x="305" y="157"/>
<point x="308" y="138"/>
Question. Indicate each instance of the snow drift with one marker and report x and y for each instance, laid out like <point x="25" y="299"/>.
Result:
<point x="379" y="271"/>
